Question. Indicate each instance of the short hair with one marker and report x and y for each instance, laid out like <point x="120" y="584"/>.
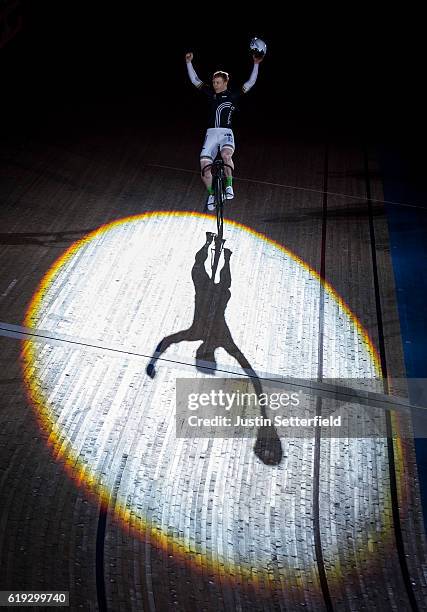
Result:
<point x="222" y="74"/>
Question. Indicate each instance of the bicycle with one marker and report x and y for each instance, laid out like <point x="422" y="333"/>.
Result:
<point x="218" y="175"/>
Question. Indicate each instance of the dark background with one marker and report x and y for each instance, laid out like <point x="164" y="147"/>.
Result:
<point x="76" y="67"/>
<point x="350" y="75"/>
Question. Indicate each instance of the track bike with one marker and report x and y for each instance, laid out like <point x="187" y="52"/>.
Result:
<point x="218" y="182"/>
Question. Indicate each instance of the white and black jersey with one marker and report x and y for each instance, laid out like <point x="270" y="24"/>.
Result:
<point x="221" y="105"/>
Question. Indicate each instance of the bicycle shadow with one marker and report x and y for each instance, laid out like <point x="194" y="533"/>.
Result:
<point x="209" y="326"/>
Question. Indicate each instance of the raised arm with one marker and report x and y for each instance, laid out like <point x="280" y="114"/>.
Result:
<point x="191" y="72"/>
<point x="254" y="75"/>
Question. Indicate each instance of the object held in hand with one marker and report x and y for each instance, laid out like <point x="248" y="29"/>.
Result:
<point x="258" y="47"/>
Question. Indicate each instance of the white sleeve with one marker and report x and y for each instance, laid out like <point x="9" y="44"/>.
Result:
<point x="252" y="79"/>
<point x="193" y="76"/>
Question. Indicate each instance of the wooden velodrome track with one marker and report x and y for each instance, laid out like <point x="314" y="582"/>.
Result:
<point x="345" y="530"/>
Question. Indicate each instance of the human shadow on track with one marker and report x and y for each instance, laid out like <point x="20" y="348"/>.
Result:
<point x="209" y="326"/>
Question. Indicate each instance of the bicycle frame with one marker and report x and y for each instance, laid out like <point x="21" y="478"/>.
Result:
<point x="218" y="174"/>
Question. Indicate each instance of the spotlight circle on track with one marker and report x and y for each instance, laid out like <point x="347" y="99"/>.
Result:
<point x="109" y="299"/>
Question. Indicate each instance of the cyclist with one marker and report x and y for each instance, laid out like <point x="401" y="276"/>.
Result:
<point x="222" y="103"/>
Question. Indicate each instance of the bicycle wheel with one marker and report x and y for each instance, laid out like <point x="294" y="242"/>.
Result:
<point x="219" y="202"/>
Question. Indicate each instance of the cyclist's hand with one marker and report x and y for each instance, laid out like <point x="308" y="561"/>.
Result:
<point x="189" y="57"/>
<point x="257" y="60"/>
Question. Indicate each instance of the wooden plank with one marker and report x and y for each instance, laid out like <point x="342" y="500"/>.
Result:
<point x="55" y="192"/>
